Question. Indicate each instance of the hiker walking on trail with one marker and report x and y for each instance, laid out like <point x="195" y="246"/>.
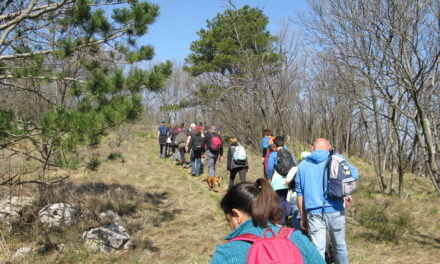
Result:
<point x="180" y="141"/>
<point x="174" y="149"/>
<point x="162" y="135"/>
<point x="236" y="162"/>
<point x="280" y="163"/>
<point x="252" y="211"/>
<point x="214" y="150"/>
<point x="321" y="208"/>
<point x="267" y="147"/>
<point x="197" y="146"/>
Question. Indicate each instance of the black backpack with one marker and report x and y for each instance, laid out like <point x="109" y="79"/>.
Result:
<point x="199" y="142"/>
<point x="284" y="162"/>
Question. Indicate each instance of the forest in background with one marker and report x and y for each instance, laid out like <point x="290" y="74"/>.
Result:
<point x="364" y="74"/>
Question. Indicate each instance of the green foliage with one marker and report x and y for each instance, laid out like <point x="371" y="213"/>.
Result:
<point x="230" y="40"/>
<point x="387" y="228"/>
<point x="115" y="156"/>
<point x="94" y="163"/>
<point x="85" y="48"/>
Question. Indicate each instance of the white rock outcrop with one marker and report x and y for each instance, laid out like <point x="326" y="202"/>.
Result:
<point x="107" y="238"/>
<point x="59" y="214"/>
<point x="12" y="207"/>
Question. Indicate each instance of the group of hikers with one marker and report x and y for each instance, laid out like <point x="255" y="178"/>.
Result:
<point x="310" y="196"/>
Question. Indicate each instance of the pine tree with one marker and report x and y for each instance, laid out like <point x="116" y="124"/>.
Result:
<point x="70" y="70"/>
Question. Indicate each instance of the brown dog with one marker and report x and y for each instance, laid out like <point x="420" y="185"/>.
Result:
<point x="214" y="181"/>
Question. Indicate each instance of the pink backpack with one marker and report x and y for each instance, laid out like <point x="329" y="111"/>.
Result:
<point x="216" y="142"/>
<point x="276" y="249"/>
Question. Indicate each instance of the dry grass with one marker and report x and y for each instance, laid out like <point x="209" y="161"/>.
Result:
<point x="174" y="218"/>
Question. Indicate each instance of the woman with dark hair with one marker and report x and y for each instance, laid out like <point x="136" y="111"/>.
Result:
<point x="253" y="208"/>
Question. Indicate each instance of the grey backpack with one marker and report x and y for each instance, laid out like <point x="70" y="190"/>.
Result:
<point x="340" y="181"/>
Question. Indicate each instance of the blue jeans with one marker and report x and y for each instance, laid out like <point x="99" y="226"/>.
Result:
<point x="319" y="223"/>
<point x="212" y="160"/>
<point x="196" y="162"/>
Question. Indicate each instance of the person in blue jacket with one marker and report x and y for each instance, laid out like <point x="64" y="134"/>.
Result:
<point x="252" y="208"/>
<point x="320" y="213"/>
<point x="279" y="183"/>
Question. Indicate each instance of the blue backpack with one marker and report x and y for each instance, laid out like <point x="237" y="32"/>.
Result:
<point x="163" y="130"/>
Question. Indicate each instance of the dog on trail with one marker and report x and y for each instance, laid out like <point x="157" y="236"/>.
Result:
<point x="214" y="181"/>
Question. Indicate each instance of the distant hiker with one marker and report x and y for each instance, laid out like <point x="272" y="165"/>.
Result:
<point x="200" y="126"/>
<point x="173" y="144"/>
<point x="236" y="162"/>
<point x="162" y="135"/>
<point x="252" y="211"/>
<point x="197" y="146"/>
<point x="320" y="212"/>
<point x="267" y="147"/>
<point x="192" y="131"/>
<point x="169" y="140"/>
<point x="182" y="128"/>
<point x="214" y="150"/>
<point x="180" y="141"/>
<point x="281" y="161"/>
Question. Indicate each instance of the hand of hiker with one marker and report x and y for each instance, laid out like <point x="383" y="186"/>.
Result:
<point x="262" y="160"/>
<point x="220" y="159"/>
<point x="304" y="224"/>
<point x="348" y="201"/>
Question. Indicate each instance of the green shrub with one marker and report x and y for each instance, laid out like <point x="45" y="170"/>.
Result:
<point x="386" y="228"/>
<point x="114" y="156"/>
<point x="93" y="164"/>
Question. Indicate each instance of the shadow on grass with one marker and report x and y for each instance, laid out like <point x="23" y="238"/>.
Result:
<point x="426" y="240"/>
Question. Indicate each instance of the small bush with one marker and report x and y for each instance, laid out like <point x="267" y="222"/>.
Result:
<point x="93" y="164"/>
<point x="115" y="156"/>
<point x="385" y="227"/>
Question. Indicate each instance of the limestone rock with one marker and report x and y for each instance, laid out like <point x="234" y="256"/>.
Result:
<point x="12" y="207"/>
<point x="110" y="216"/>
<point x="23" y="252"/>
<point x="59" y="214"/>
<point x="107" y="238"/>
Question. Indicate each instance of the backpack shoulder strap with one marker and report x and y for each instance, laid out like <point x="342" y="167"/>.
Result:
<point x="324" y="178"/>
<point x="286" y="232"/>
<point x="248" y="237"/>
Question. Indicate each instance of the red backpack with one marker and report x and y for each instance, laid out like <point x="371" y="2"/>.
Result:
<point x="215" y="143"/>
<point x="276" y="249"/>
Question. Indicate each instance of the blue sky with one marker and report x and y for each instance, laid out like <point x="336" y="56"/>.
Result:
<point x="179" y="20"/>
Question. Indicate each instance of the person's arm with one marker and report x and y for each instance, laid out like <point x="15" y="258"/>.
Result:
<point x="229" y="159"/>
<point x="271" y="164"/>
<point x="300" y="200"/>
<point x="302" y="211"/>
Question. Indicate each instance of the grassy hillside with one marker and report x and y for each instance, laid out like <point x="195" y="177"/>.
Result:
<point x="174" y="218"/>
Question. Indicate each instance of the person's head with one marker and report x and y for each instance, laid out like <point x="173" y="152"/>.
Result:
<point x="182" y="125"/>
<point x="247" y="200"/>
<point x="321" y="144"/>
<point x="163" y="122"/>
<point x="193" y="126"/>
<point x="267" y="133"/>
<point x="233" y="141"/>
<point x="279" y="141"/>
<point x="212" y="129"/>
